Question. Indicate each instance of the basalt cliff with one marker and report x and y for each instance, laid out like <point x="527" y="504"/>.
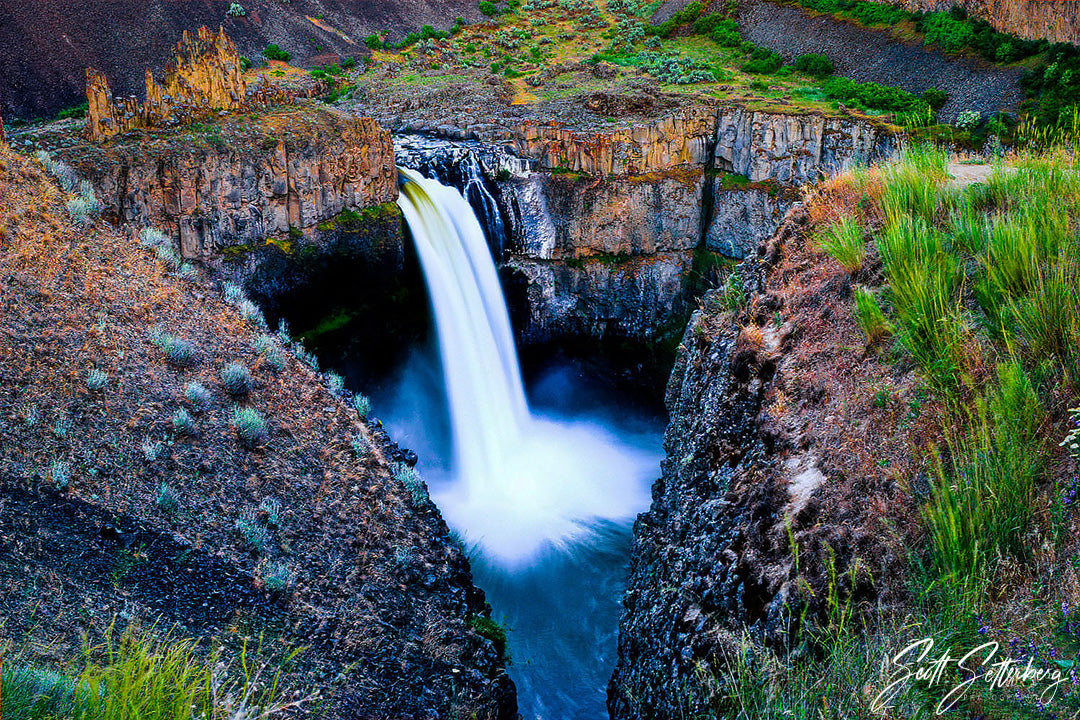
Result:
<point x="1053" y="20"/>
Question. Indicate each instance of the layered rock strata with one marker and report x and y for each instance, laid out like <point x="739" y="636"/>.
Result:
<point x="600" y="227"/>
<point x="242" y="183"/>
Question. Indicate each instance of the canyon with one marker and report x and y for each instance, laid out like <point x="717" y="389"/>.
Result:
<point x="647" y="218"/>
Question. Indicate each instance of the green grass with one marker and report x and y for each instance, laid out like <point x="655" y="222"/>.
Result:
<point x="137" y="675"/>
<point x="845" y="241"/>
<point x="869" y="315"/>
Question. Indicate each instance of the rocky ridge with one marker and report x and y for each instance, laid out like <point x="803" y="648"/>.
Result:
<point x="770" y="487"/>
<point x="241" y="182"/>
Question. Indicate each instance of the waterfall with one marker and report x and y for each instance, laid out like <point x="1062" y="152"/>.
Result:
<point x="483" y="379"/>
<point x="521" y="484"/>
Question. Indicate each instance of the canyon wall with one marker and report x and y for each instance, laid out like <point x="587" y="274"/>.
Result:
<point x="243" y="182"/>
<point x="603" y="226"/>
<point x="1053" y="20"/>
<point x="773" y="500"/>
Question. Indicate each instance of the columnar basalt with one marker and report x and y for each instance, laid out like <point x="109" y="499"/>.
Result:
<point x="242" y="183"/>
<point x="622" y="210"/>
<point x="204" y="76"/>
<point x="682" y="138"/>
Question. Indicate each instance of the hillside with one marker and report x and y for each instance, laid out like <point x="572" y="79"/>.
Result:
<point x="166" y="461"/>
<point x="47" y="46"/>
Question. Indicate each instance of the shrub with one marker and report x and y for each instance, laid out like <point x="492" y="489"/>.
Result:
<point x="845" y="242"/>
<point x="272" y="508"/>
<point x="255" y="536"/>
<point x="85" y="208"/>
<point x="968" y="119"/>
<point x="273" y="52"/>
<point x="198" y="396"/>
<point x="335" y="383"/>
<point x="183" y="423"/>
<point x="96" y="380"/>
<point x="60" y="474"/>
<point x="249" y="425"/>
<point x="78" y="111"/>
<point x="762" y="62"/>
<point x="707" y="24"/>
<point x="236" y="10"/>
<point x="688" y="14"/>
<point x="934" y="98"/>
<point x="410" y="479"/>
<point x="360" y="445"/>
<point x="362" y="404"/>
<point x="869" y="315"/>
<point x="245" y="63"/>
<point x="178" y="352"/>
<point x="488" y="8"/>
<point x="677" y="69"/>
<point x="726" y="34"/>
<point x="150" y="450"/>
<point x="63" y="173"/>
<point x="166" y="499"/>
<point x="814" y="64"/>
<point x="236" y="379"/>
<point x="873" y="96"/>
<point x="276" y="576"/>
<point x="493" y="631"/>
<point x="374" y="42"/>
<point x="940" y="29"/>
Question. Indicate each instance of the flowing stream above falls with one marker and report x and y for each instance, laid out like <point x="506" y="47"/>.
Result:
<point x="543" y="498"/>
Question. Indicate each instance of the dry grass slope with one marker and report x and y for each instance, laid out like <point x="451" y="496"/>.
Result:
<point x="122" y="496"/>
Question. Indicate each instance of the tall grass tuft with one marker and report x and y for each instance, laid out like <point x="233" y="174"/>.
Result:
<point x="869" y="315"/>
<point x="982" y="505"/>
<point x="845" y="242"/>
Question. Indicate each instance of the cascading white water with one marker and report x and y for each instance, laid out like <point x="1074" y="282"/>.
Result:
<point x="521" y="483"/>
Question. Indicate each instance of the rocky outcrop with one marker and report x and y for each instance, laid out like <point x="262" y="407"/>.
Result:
<point x="795" y="149"/>
<point x="741" y="217"/>
<point x="242" y="183"/>
<point x="682" y="138"/>
<point x="601" y="225"/>
<point x="563" y="216"/>
<point x="624" y="297"/>
<point x="1053" y="20"/>
<point x="774" y="500"/>
<point x="204" y="76"/>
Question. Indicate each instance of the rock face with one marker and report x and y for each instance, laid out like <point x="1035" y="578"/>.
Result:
<point x="794" y="149"/>
<point x="203" y="76"/>
<point x="1054" y="20"/>
<point x="740" y="218"/>
<point x="601" y="226"/>
<point x="769" y="488"/>
<point x="680" y="139"/>
<point x="243" y="184"/>
<point x="620" y="297"/>
<point x="579" y="216"/>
